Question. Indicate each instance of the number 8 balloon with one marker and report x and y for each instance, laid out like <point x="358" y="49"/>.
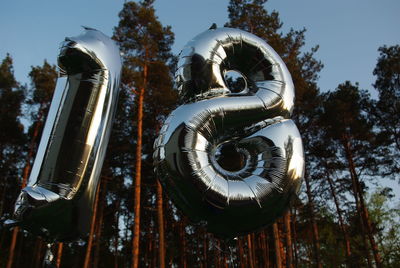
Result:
<point x="230" y="157"/>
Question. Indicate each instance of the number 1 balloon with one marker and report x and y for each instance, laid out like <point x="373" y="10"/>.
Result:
<point x="57" y="203"/>
<point x="230" y="157"/>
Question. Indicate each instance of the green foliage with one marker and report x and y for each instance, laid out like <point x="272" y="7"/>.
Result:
<point x="12" y="138"/>
<point x="11" y="97"/>
<point x="386" y="217"/>
<point x="43" y="83"/>
<point x="387" y="107"/>
<point x="144" y="40"/>
<point x="43" y="80"/>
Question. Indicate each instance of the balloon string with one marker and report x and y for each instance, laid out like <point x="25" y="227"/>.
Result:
<point x="48" y="261"/>
<point x="230" y="253"/>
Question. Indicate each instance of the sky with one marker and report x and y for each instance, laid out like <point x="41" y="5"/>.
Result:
<point x="348" y="32"/>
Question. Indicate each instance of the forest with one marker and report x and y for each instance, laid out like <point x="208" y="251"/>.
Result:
<point x="343" y="216"/>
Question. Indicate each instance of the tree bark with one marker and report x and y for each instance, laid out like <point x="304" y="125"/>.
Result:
<point x="91" y="234"/>
<point x="59" y="254"/>
<point x="99" y="225"/>
<point x="263" y="247"/>
<point x="138" y="168"/>
<point x="288" y="236"/>
<point x="250" y="249"/>
<point x="277" y="242"/>
<point x="160" y="216"/>
<point x="14" y="237"/>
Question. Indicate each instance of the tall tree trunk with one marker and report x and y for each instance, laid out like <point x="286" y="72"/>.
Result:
<point x="18" y="250"/>
<point x="316" y="244"/>
<point x="277" y="242"/>
<point x="14" y="237"/>
<point x="99" y="225"/>
<point x="59" y="254"/>
<point x="250" y="249"/>
<point x="264" y="248"/>
<point x="138" y="168"/>
<point x="160" y="217"/>
<point x="341" y="221"/>
<point x="363" y="209"/>
<point x="288" y="236"/>
<point x="92" y="227"/>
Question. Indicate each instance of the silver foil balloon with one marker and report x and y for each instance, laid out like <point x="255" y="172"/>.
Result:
<point x="58" y="201"/>
<point x="229" y="156"/>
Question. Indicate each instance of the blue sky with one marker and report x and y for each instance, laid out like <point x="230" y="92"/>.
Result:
<point x="348" y="32"/>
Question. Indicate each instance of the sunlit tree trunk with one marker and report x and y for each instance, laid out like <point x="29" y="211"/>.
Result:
<point x="138" y="168"/>
<point x="250" y="249"/>
<point x="99" y="221"/>
<point x="264" y="248"/>
<point x="277" y="243"/>
<point x="288" y="238"/>
<point x="160" y="217"/>
<point x="14" y="237"/>
<point x="59" y="254"/>
<point x="92" y="228"/>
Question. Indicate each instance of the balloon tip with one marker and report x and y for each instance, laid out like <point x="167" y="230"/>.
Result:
<point x="8" y="224"/>
<point x="88" y="28"/>
<point x="213" y="26"/>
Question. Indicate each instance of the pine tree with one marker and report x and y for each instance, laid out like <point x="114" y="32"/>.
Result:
<point x="43" y="81"/>
<point x="12" y="136"/>
<point x="12" y="139"/>
<point x="387" y="108"/>
<point x="146" y="45"/>
<point x="347" y="123"/>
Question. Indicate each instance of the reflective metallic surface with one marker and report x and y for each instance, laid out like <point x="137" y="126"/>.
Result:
<point x="230" y="157"/>
<point x="58" y="201"/>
